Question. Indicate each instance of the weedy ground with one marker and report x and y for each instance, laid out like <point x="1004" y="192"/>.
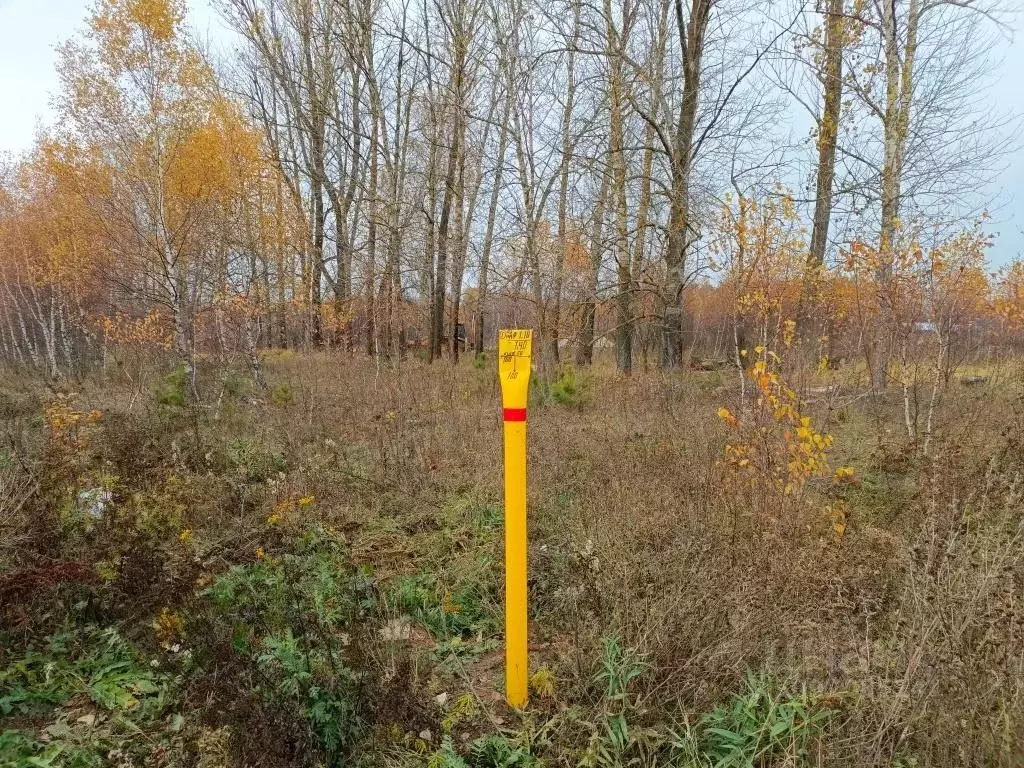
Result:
<point x="311" y="573"/>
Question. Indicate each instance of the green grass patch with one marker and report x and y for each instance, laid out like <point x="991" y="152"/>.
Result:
<point x="91" y="697"/>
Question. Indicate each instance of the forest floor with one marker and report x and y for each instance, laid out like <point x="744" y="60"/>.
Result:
<point x="310" y="573"/>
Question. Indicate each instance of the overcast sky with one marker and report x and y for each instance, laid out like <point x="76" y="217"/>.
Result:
<point x="30" y="30"/>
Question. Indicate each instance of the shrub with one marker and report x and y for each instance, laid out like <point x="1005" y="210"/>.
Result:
<point x="281" y="395"/>
<point x="570" y="387"/>
<point x="235" y="385"/>
<point x="170" y="392"/>
<point x="252" y="462"/>
<point x="292" y="617"/>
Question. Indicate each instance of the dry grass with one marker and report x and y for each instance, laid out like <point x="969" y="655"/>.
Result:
<point x="910" y="625"/>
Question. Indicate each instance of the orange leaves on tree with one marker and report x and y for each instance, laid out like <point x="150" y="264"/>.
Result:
<point x="161" y="179"/>
<point x="762" y="251"/>
<point x="152" y="329"/>
<point x="577" y="255"/>
<point x="942" y="281"/>
<point x="128" y="31"/>
<point x="217" y="159"/>
<point x="726" y="415"/>
<point x="51" y="242"/>
<point x="160" y="17"/>
<point x="1009" y="295"/>
<point x="69" y="428"/>
<point x="778" y="449"/>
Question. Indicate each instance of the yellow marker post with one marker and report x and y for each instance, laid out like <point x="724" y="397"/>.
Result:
<point x="514" y="371"/>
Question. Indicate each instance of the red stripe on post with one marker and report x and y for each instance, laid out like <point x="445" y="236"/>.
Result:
<point x="515" y="414"/>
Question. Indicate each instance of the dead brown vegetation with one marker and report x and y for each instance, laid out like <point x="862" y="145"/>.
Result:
<point x="908" y="624"/>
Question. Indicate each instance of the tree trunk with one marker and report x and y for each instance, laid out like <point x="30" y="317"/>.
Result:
<point x="451" y="197"/>
<point x="554" y="317"/>
<point x="462" y="221"/>
<point x="492" y="213"/>
<point x="370" y="279"/>
<point x="828" y="132"/>
<point x="616" y="150"/>
<point x="899" y="83"/>
<point x="428" y="278"/>
<point x="692" y="48"/>
<point x="585" y="351"/>
<point x="316" y="267"/>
